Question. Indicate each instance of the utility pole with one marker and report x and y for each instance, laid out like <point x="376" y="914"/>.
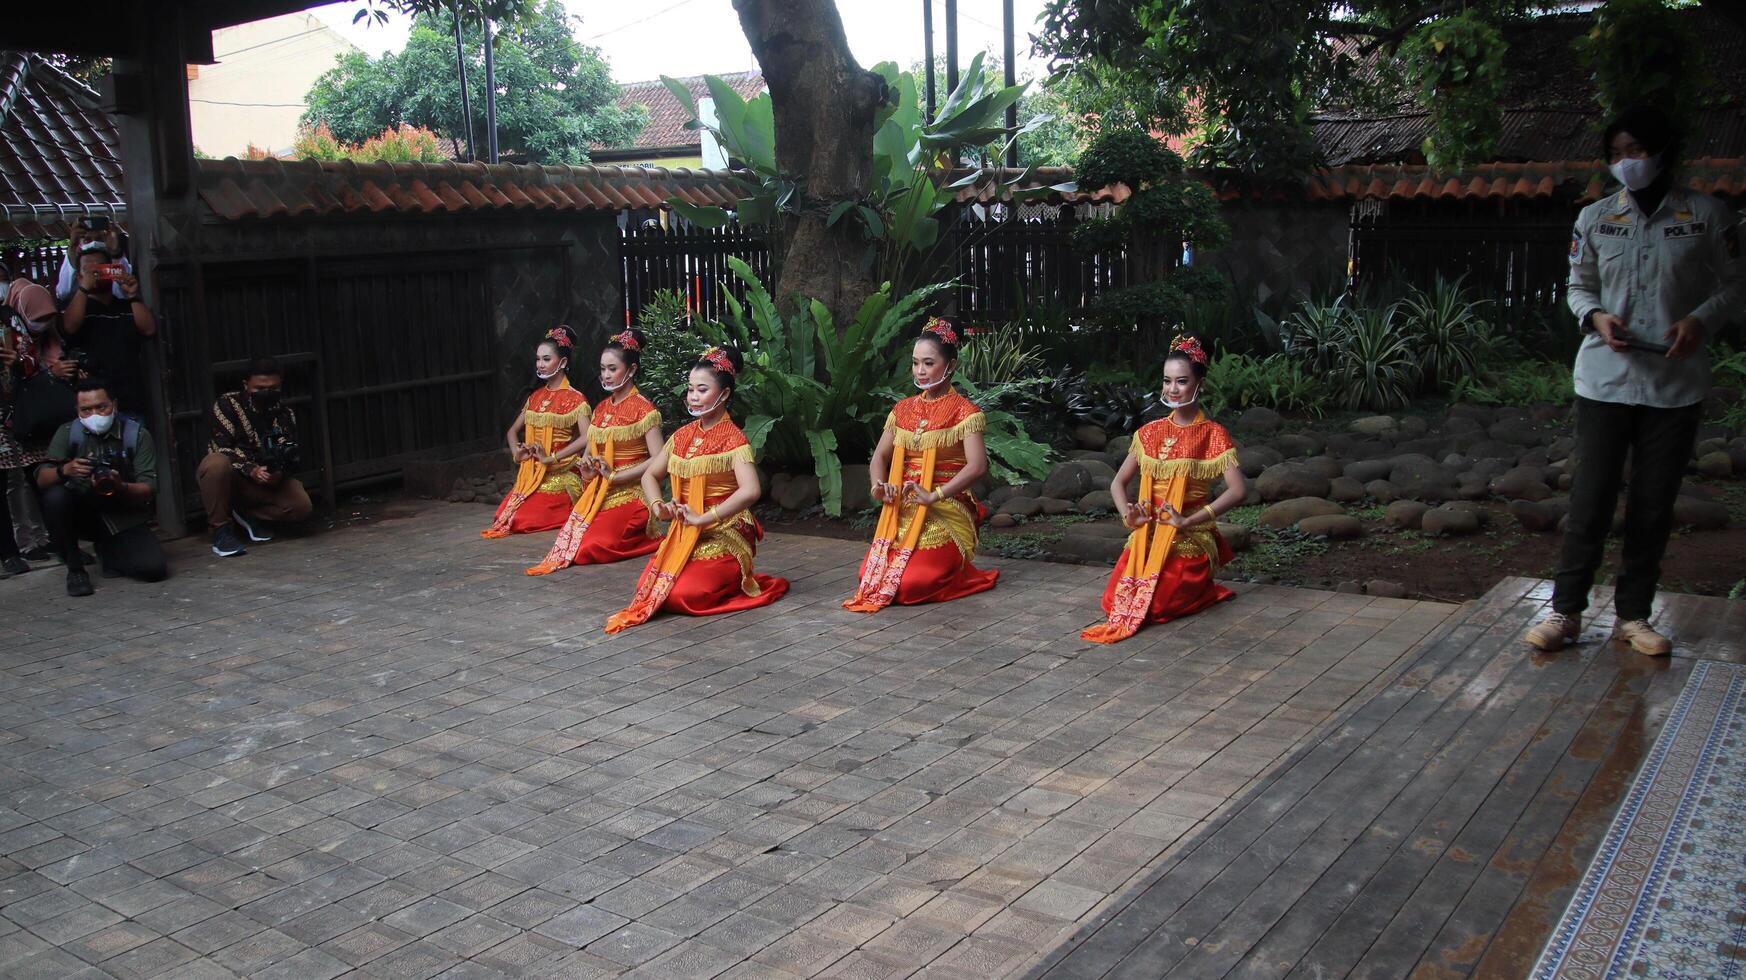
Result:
<point x="951" y="47"/>
<point x="491" y="93"/>
<point x="461" y="70"/>
<point x="928" y="53"/>
<point x="1011" y="79"/>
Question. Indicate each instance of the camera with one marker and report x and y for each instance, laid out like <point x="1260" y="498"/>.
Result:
<point x="107" y="467"/>
<point x="280" y="453"/>
<point x="82" y="360"/>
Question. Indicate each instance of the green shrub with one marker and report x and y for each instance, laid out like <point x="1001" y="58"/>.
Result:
<point x="1448" y="332"/>
<point x="667" y="357"/>
<point x="1523" y="383"/>
<point x="1238" y="381"/>
<point x="811" y="397"/>
<point x="1379" y="369"/>
<point x="998" y="355"/>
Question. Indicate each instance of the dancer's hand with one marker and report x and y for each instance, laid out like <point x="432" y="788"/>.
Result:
<point x="1172" y="516"/>
<point x="664" y="509"/>
<point x="884" y="492"/>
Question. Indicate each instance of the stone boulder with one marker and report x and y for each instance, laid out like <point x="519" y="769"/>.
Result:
<point x="1704" y="515"/>
<point x="1450" y="520"/>
<point x="1070" y="481"/>
<point x="1264" y="421"/>
<point x="1255" y="459"/>
<point x="1493" y="449"/>
<point x="1102" y="473"/>
<point x="1054" y="507"/>
<point x="1089" y="436"/>
<point x="1331" y="526"/>
<point x="1535" y="515"/>
<point x="1022" y="506"/>
<point x="798" y="492"/>
<point x="1118" y="446"/>
<point x="1381" y="491"/>
<point x="1295" y="444"/>
<point x="1516" y="432"/>
<point x="1003" y="521"/>
<point x="1237" y="536"/>
<point x="1345" y="490"/>
<point x="1288" y="512"/>
<point x="1432" y="446"/>
<point x="1365" y="470"/>
<point x="1327" y="466"/>
<point x="1456" y="425"/>
<point x="1374" y="425"/>
<point x="1716" y="465"/>
<point x="1418" y="477"/>
<point x="857" y="496"/>
<point x="1287" y="480"/>
<point x="1414" y="426"/>
<point x="1472" y="486"/>
<point x="1522" y="483"/>
<point x="1096" y="502"/>
<point x="1405" y="515"/>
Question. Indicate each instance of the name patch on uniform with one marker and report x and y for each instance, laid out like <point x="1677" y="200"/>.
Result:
<point x="1612" y="231"/>
<point x="1691" y="229"/>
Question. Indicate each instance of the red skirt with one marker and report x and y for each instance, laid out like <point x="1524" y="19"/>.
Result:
<point x="939" y="575"/>
<point x="711" y="586"/>
<point x="615" y="535"/>
<point x="1185" y="587"/>
<point x="541" y="511"/>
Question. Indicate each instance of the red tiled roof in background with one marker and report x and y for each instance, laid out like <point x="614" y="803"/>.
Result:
<point x="240" y="189"/>
<point x="667" y="118"/>
<point x="59" y="153"/>
<point x="236" y="189"/>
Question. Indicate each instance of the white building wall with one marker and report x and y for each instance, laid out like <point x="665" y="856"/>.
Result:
<point x="255" y="92"/>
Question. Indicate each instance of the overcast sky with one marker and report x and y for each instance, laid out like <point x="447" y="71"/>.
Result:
<point x="651" y="38"/>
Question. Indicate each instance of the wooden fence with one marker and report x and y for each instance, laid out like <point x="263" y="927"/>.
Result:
<point x="676" y="255"/>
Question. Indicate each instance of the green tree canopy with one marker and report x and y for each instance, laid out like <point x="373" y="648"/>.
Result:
<point x="1254" y="70"/>
<point x="555" y="96"/>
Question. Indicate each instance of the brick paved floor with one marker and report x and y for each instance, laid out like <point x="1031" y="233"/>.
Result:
<point x="385" y="750"/>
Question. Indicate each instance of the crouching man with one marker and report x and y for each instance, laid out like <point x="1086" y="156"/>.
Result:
<point x="98" y="483"/>
<point x="245" y="479"/>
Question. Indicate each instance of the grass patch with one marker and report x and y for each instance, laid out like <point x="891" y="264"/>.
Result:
<point x="1245" y="515"/>
<point x="1399" y="544"/>
<point x="1277" y="551"/>
<point x="1374" y="512"/>
<point x="1020" y="544"/>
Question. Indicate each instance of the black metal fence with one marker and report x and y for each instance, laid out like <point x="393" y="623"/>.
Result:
<point x="1518" y="259"/>
<point x="1021" y="259"/>
<point x="41" y="263"/>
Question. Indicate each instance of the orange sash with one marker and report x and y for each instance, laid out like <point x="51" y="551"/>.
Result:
<point x="583" y="514"/>
<point x="532" y="472"/>
<point x="1148" y="547"/>
<point x="886" y="559"/>
<point x="664" y="568"/>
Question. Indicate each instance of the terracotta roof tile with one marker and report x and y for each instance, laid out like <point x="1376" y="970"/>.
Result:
<point x="666" y="125"/>
<point x="59" y="153"/>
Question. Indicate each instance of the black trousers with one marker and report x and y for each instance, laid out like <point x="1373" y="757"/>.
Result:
<point x="1659" y="442"/>
<point x="8" y="540"/>
<point x="134" y="552"/>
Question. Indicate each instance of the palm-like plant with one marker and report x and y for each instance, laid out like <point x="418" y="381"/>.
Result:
<point x="1379" y="369"/>
<point x="1447" y="330"/>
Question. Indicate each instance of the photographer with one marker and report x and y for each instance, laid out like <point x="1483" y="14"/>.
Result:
<point x="98" y="483"/>
<point x="245" y="479"/>
<point x="109" y="328"/>
<point x="91" y="228"/>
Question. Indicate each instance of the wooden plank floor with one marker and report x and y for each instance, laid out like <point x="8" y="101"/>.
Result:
<point x="1438" y="830"/>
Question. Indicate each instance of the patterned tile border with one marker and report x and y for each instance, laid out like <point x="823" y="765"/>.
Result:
<point x="1666" y="892"/>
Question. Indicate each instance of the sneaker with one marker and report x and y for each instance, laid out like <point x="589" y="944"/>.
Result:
<point x="13" y="565"/>
<point x="78" y="583"/>
<point x="39" y="553"/>
<point x="255" y="529"/>
<point x="225" y="543"/>
<point x="1555" y="632"/>
<point x="1643" y="638"/>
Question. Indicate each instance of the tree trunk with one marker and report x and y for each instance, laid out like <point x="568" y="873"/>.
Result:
<point x="824" y="104"/>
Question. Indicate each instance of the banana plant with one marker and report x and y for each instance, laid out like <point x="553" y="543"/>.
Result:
<point x="912" y="158"/>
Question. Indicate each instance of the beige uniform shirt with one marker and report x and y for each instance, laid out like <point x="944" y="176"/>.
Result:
<point x="1653" y="270"/>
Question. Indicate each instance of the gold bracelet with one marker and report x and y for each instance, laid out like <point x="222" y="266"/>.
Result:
<point x="716" y="511"/>
<point x="1211" y="513"/>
